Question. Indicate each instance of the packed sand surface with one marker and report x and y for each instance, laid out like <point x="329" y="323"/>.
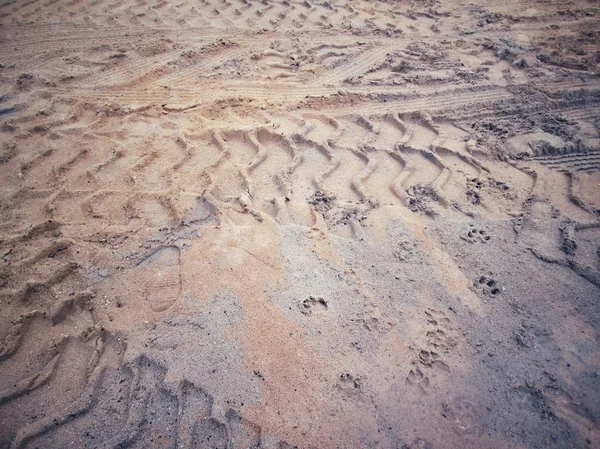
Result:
<point x="303" y="224"/>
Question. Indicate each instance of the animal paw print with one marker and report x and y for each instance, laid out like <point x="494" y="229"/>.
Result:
<point x="531" y="336"/>
<point x="487" y="285"/>
<point x="475" y="235"/>
<point x="438" y="318"/>
<point x="417" y="379"/>
<point x="350" y="380"/>
<point x="461" y="413"/>
<point x="440" y="336"/>
<point x="474" y="186"/>
<point x="406" y="251"/>
<point x="313" y="305"/>
<point x="350" y="385"/>
<point x="432" y="359"/>
<point x="440" y="339"/>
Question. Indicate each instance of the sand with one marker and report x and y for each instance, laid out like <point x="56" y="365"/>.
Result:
<point x="299" y="224"/>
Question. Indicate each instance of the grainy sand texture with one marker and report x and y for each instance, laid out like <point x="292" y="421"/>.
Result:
<point x="277" y="224"/>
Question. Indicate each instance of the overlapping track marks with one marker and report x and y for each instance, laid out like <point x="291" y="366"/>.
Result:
<point x="559" y="222"/>
<point x="273" y="168"/>
<point x="300" y="61"/>
<point x="42" y="271"/>
<point x="320" y="132"/>
<point x="101" y="182"/>
<point x="34" y="44"/>
<point x="576" y="161"/>
<point x="57" y="348"/>
<point x="155" y="66"/>
<point x="460" y="102"/>
<point x="95" y="12"/>
<point x="84" y="367"/>
<point x="39" y="349"/>
<point x="252" y="14"/>
<point x="37" y="263"/>
<point x="255" y="170"/>
<point x="555" y="237"/>
<point x="136" y="64"/>
<point x="342" y="167"/>
<point x="278" y="65"/>
<point x="137" y="79"/>
<point x="169" y="68"/>
<point x="418" y="144"/>
<point x="293" y="14"/>
<point x="557" y="177"/>
<point x="555" y="172"/>
<point x="259" y="170"/>
<point x="369" y="55"/>
<point x="230" y="182"/>
<point x="561" y="189"/>
<point x="423" y="64"/>
<point x="76" y="362"/>
<point x="332" y="55"/>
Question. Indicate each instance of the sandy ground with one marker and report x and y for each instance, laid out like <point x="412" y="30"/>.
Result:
<point x="299" y="224"/>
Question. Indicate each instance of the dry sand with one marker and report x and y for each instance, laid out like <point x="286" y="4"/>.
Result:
<point x="279" y="224"/>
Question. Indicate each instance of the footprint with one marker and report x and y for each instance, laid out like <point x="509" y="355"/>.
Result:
<point x="441" y="336"/>
<point x="160" y="273"/>
<point x="431" y="359"/>
<point x="487" y="285"/>
<point x="438" y="318"/>
<point x="313" y="305"/>
<point x="461" y="413"/>
<point x="474" y="235"/>
<point x="350" y="385"/>
<point x="473" y="193"/>
<point x="408" y="251"/>
<point x="441" y="340"/>
<point x="417" y="379"/>
<point x="531" y="336"/>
